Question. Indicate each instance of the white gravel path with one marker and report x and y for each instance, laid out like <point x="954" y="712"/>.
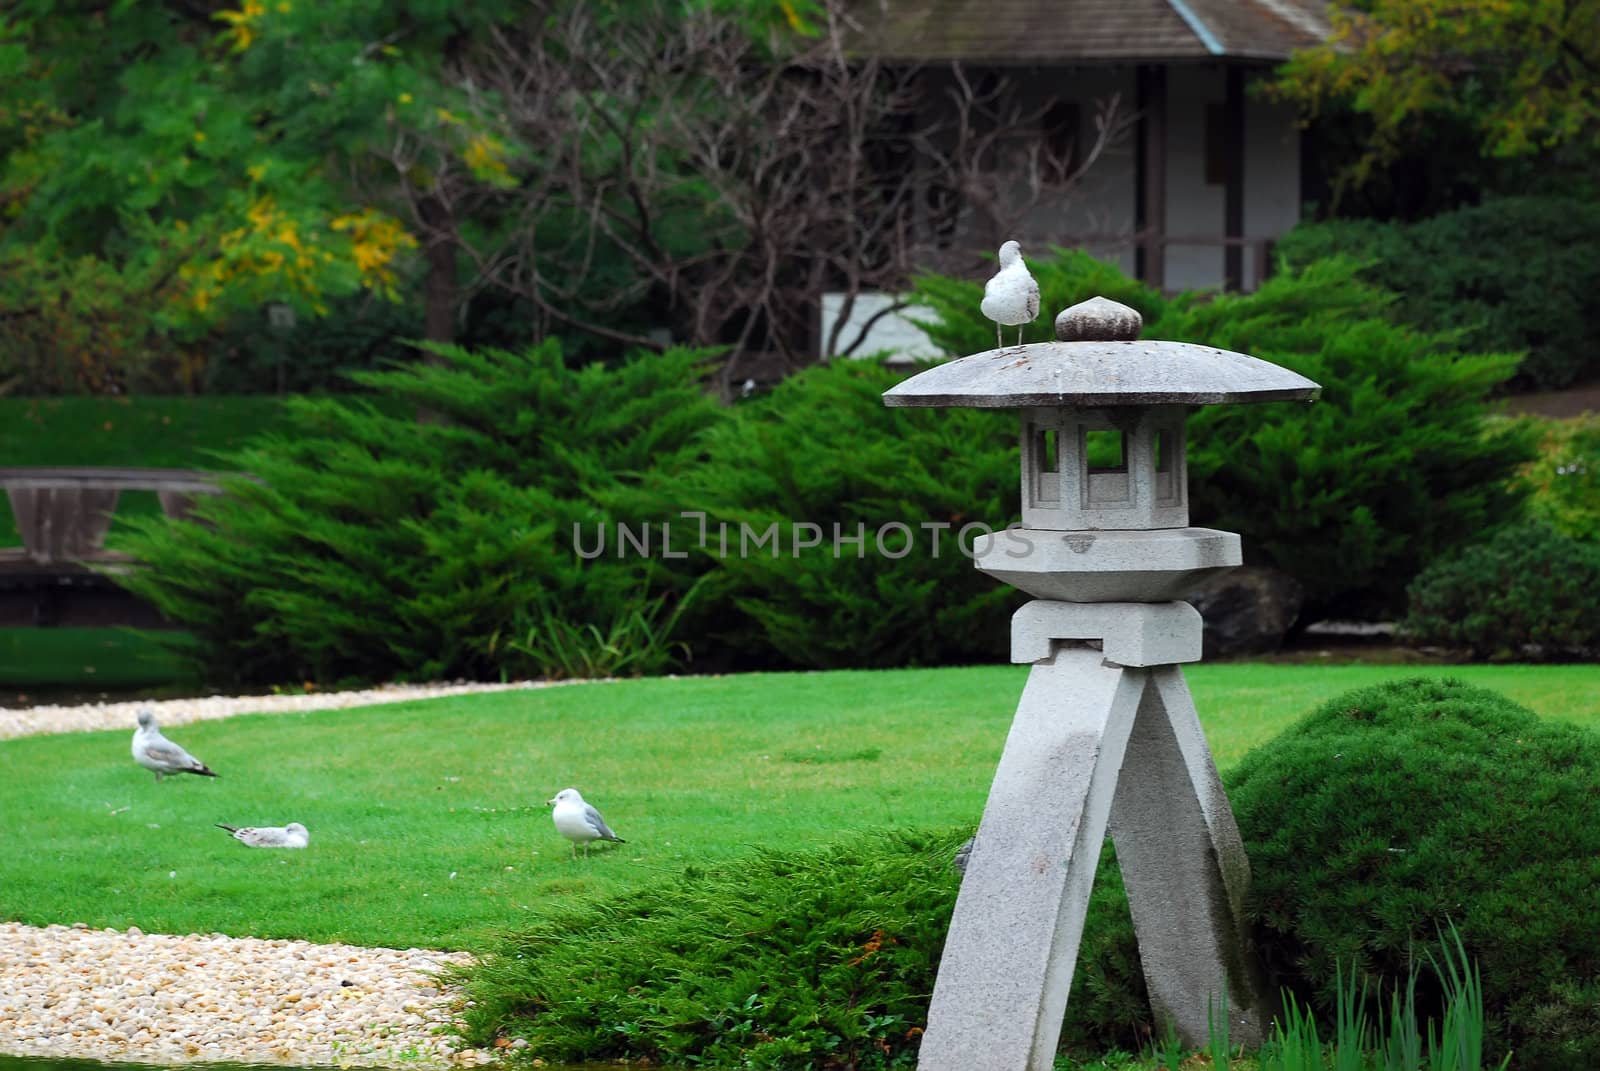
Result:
<point x="125" y="995"/>
<point x="26" y="721"/>
<point x="152" y="998"/>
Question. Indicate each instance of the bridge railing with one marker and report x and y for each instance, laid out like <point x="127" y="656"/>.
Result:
<point x="63" y="514"/>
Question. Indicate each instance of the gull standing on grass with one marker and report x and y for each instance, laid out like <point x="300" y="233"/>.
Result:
<point x="155" y="752"/>
<point x="1011" y="296"/>
<point x="579" y="822"/>
<point x="293" y="835"/>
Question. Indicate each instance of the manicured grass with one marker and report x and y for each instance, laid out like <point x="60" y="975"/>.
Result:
<point x="427" y="819"/>
<point x="84" y="658"/>
<point x="143" y="432"/>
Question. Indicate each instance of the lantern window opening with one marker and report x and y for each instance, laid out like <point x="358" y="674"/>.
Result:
<point x="1105" y="459"/>
<point x="1106" y="450"/>
<point x="1046" y="446"/>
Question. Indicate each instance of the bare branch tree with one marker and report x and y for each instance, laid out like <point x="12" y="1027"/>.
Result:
<point x="677" y="176"/>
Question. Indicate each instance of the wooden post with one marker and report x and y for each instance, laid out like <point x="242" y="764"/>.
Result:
<point x="1233" y="191"/>
<point x="1150" y="205"/>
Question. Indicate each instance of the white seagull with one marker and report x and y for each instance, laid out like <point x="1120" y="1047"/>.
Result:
<point x="155" y="752"/>
<point x="293" y="835"/>
<point x="579" y="822"/>
<point x="1011" y="296"/>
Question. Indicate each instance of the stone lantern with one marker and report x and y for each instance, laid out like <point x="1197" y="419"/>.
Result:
<point x="1105" y="735"/>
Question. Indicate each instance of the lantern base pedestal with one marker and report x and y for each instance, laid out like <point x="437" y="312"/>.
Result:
<point x="1094" y="747"/>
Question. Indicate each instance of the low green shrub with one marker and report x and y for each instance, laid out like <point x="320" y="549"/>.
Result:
<point x="1565" y="478"/>
<point x="822" y="449"/>
<point x="1416" y="819"/>
<point x="1391" y="814"/>
<point x="1527" y="593"/>
<point x="1394" y="465"/>
<point x="1513" y="274"/>
<point x="790" y="960"/>
<point x="369" y="544"/>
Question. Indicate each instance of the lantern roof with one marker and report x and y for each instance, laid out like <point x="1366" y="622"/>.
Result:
<point x="1098" y="360"/>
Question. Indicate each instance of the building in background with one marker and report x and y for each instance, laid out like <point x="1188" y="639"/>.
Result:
<point x="1206" y="175"/>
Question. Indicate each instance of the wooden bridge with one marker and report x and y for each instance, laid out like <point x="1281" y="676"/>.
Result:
<point x="58" y="575"/>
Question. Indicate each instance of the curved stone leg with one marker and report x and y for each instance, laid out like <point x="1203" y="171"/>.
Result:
<point x="1185" y="870"/>
<point x="1008" y="961"/>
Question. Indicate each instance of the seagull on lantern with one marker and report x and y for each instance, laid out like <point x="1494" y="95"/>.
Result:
<point x="1011" y="296"/>
<point x="161" y="756"/>
<point x="578" y="821"/>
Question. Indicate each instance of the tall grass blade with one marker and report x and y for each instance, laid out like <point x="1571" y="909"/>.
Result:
<point x="1217" y="1030"/>
<point x="1351" y="1031"/>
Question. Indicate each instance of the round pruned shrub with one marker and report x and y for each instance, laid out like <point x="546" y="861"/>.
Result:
<point x="1394" y="812"/>
<point x="1527" y="592"/>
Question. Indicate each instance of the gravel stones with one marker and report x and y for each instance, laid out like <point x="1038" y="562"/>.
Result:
<point x="169" y="712"/>
<point x="154" y="998"/>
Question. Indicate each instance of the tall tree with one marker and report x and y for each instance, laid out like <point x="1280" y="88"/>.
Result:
<point x="701" y="173"/>
<point x="1523" y="76"/>
<point x="192" y="161"/>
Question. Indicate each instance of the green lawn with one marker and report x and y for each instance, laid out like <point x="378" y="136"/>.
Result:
<point x="427" y="819"/>
<point x="143" y="432"/>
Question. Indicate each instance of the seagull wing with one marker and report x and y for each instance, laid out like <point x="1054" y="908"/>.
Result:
<point x="174" y="758"/>
<point x="598" y="824"/>
<point x="261" y="836"/>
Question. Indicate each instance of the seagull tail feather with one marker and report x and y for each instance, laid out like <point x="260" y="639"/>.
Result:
<point x="230" y="829"/>
<point x="203" y="770"/>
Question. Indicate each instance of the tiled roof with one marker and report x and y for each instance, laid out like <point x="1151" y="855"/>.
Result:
<point x="1089" y="31"/>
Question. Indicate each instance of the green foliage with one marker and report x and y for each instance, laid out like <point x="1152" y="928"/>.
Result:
<point x="823" y="450"/>
<point x="1393" y="1043"/>
<point x="634" y="642"/>
<point x="1527" y="592"/>
<point x="1565" y="478"/>
<point x="1391" y="813"/>
<point x="367" y="544"/>
<point x="1511" y="274"/>
<point x="206" y="161"/>
<point x="789" y="960"/>
<point x="1521" y="76"/>
<point x="1353" y="495"/>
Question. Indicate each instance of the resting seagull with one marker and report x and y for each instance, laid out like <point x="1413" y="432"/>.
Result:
<point x="155" y="752"/>
<point x="1011" y="296"/>
<point x="579" y="822"/>
<point x="293" y="835"/>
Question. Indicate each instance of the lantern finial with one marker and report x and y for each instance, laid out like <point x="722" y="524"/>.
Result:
<point x="1099" y="320"/>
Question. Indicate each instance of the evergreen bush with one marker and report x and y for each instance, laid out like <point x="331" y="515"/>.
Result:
<point x="788" y="960"/>
<point x="369" y="544"/>
<point x="822" y="449"/>
<point x="1515" y="273"/>
<point x="1395" y="464"/>
<point x="1392" y="813"/>
<point x="1528" y="592"/>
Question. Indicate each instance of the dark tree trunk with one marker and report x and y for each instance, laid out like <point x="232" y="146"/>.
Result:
<point x="439" y="288"/>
